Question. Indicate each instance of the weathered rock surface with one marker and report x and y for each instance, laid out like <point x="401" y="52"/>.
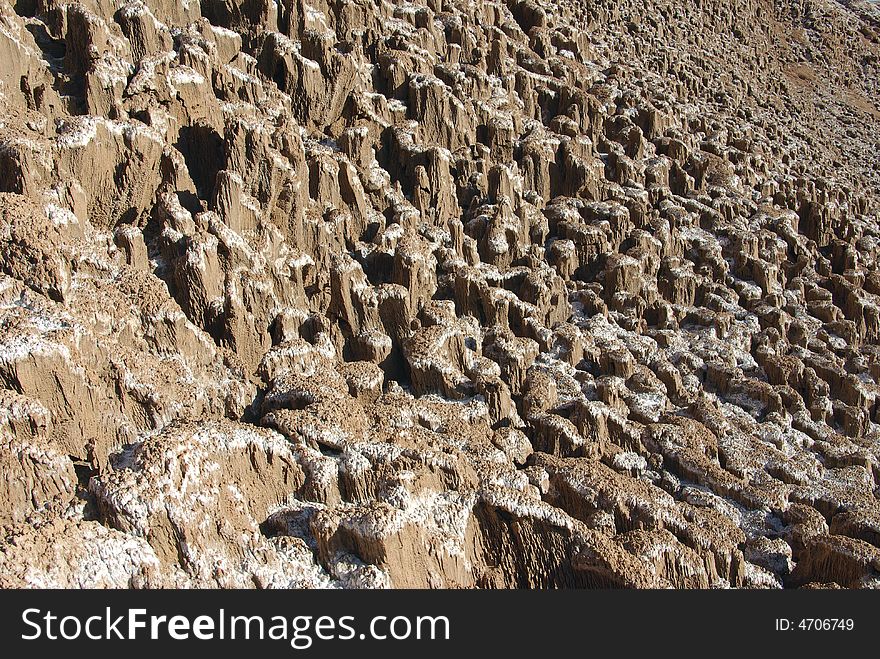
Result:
<point x="439" y="293"/>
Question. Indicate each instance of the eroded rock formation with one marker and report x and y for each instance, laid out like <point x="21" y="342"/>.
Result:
<point x="439" y="293"/>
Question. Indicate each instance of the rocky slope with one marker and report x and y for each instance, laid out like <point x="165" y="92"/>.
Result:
<point x="442" y="293"/>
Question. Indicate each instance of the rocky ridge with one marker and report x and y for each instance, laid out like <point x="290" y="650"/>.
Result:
<point x="442" y="293"/>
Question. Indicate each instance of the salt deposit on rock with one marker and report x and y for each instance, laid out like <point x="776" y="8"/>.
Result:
<point x="439" y="293"/>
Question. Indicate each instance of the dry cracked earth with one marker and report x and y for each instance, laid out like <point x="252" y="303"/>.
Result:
<point x="441" y="293"/>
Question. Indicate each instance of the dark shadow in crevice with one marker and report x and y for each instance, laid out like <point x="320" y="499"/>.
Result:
<point x="53" y="49"/>
<point x="204" y="153"/>
<point x="84" y="473"/>
<point x="291" y="523"/>
<point x="26" y="8"/>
